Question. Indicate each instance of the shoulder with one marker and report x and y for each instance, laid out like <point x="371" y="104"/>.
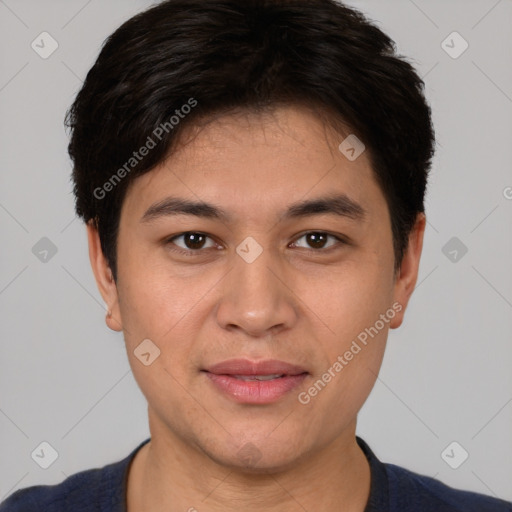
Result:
<point x="93" y="490"/>
<point x="412" y="491"/>
<point x="74" y="493"/>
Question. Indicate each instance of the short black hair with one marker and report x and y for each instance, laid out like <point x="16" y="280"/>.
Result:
<point x="181" y="61"/>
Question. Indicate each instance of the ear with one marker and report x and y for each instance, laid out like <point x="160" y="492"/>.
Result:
<point x="407" y="276"/>
<point x="104" y="278"/>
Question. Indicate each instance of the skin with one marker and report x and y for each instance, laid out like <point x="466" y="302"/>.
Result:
<point x="293" y="303"/>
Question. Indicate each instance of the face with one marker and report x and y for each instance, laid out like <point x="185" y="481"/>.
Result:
<point x="257" y="274"/>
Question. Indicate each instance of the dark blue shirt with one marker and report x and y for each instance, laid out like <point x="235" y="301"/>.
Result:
<point x="393" y="489"/>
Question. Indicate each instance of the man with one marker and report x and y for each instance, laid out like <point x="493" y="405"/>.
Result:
<point x="252" y="175"/>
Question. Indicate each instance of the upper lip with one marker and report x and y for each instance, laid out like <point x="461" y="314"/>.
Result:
<point x="263" y="367"/>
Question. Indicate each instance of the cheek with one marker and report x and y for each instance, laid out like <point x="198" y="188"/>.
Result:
<point x="351" y="310"/>
<point x="350" y="298"/>
<point x="154" y="298"/>
<point x="168" y="310"/>
<point x="348" y="374"/>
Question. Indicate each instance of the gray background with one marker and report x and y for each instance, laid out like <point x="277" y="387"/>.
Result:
<point x="65" y="378"/>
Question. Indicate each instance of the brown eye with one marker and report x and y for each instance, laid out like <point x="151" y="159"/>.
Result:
<point x="316" y="240"/>
<point x="192" y="241"/>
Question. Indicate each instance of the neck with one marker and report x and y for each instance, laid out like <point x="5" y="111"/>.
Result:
<point x="168" y="474"/>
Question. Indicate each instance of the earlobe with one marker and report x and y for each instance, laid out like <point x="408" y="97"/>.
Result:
<point x="407" y="274"/>
<point x="104" y="278"/>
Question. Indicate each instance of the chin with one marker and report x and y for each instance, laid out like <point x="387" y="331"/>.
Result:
<point x="261" y="455"/>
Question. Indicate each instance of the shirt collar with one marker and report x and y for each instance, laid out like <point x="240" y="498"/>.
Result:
<point x="378" y="501"/>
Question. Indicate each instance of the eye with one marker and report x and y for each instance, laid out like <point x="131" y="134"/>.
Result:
<point x="193" y="241"/>
<point x="317" y="240"/>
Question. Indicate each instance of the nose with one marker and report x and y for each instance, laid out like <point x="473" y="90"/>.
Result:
<point x="257" y="297"/>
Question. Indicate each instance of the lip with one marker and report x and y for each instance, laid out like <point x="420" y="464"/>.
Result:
<point x="247" y="367"/>
<point x="223" y="377"/>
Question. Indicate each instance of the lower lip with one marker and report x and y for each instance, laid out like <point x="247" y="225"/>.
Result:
<point x="256" y="391"/>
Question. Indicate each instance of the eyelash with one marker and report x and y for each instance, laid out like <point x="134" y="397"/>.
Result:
<point x="194" y="252"/>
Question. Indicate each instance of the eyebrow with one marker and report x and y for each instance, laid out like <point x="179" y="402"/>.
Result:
<point x="339" y="204"/>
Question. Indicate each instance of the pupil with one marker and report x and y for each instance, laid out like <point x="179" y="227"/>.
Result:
<point x="317" y="240"/>
<point x="194" y="240"/>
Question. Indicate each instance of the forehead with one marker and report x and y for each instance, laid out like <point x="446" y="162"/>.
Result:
<point x="256" y="163"/>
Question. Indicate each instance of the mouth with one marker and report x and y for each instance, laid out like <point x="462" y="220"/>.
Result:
<point x="255" y="382"/>
<point x="258" y="377"/>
